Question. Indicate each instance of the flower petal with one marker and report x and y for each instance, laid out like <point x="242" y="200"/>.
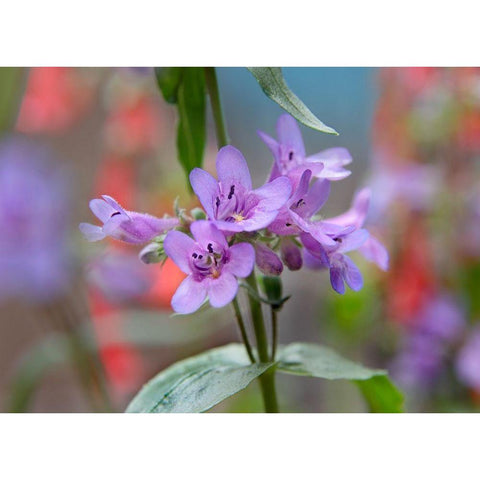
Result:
<point x="336" y="280"/>
<point x="114" y="204"/>
<point x="259" y="220"/>
<point x="179" y="247"/>
<point x="189" y="295"/>
<point x="222" y="290"/>
<point x="358" y="211"/>
<point x="316" y="197"/>
<point x="206" y="232"/>
<point x="374" y="251"/>
<point x="354" y="240"/>
<point x="289" y="134"/>
<point x="332" y="157"/>
<point x="101" y="209"/>
<point x="205" y="187"/>
<point x="242" y="260"/>
<point x="271" y="143"/>
<point x="352" y="274"/>
<point x="232" y="168"/>
<point x="274" y="195"/>
<point x="92" y="233"/>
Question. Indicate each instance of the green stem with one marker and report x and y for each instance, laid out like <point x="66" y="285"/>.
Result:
<point x="243" y="331"/>
<point x="219" y="119"/>
<point x="267" y="380"/>
<point x="274" y="332"/>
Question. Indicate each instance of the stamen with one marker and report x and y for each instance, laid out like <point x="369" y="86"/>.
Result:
<point x="232" y="191"/>
<point x="194" y="255"/>
<point x="210" y="248"/>
<point x="288" y="224"/>
<point x="217" y="202"/>
<point x="300" y="202"/>
<point x="290" y="155"/>
<point x="113" y="214"/>
<point x="200" y="257"/>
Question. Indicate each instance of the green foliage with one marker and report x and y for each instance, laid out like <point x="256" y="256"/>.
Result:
<point x="168" y="81"/>
<point x="185" y="87"/>
<point x="274" y="86"/>
<point x="198" y="383"/>
<point x="321" y="362"/>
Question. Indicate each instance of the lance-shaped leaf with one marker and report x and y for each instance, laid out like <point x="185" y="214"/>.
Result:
<point x="198" y="383"/>
<point x="191" y="131"/>
<point x="274" y="86"/>
<point x="322" y="362"/>
<point x="168" y="81"/>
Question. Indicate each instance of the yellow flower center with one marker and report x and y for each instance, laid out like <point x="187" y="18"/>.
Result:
<point x="238" y="217"/>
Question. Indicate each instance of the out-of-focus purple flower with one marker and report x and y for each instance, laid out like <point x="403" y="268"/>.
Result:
<point x="210" y="263"/>
<point x="34" y="257"/>
<point x="267" y="260"/>
<point x="230" y="202"/>
<point x="441" y="318"/>
<point x="371" y="249"/>
<point x="119" y="276"/>
<point x="419" y="363"/>
<point x="342" y="269"/>
<point x="468" y="361"/>
<point x="290" y="157"/>
<point x="413" y="185"/>
<point x="130" y="227"/>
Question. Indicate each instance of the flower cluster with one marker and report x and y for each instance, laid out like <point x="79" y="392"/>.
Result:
<point x="275" y="225"/>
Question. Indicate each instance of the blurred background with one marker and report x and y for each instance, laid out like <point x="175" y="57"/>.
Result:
<point x="83" y="326"/>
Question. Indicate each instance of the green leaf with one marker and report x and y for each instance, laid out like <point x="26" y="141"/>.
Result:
<point x="168" y="81"/>
<point x="191" y="131"/>
<point x="198" y="383"/>
<point x="381" y="395"/>
<point x="274" y="86"/>
<point x="322" y="362"/>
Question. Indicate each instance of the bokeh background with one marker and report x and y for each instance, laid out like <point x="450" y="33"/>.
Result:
<point x="83" y="326"/>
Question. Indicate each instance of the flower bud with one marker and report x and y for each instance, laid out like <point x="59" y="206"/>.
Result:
<point x="198" y="214"/>
<point x="152" y="253"/>
<point x="267" y="260"/>
<point x="291" y="254"/>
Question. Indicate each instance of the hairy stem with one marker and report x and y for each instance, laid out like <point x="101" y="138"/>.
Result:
<point x="243" y="331"/>
<point x="267" y="380"/>
<point x="219" y="119"/>
<point x="274" y="332"/>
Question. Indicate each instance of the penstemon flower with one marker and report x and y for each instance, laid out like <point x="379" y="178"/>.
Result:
<point x="130" y="227"/>
<point x="291" y="159"/>
<point x="211" y="265"/>
<point x="230" y="202"/>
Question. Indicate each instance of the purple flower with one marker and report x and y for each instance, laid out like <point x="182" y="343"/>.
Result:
<point x="371" y="249"/>
<point x="230" y="202"/>
<point x="295" y="217"/>
<point x="342" y="269"/>
<point x="34" y="257"/>
<point x="130" y="227"/>
<point x="290" y="157"/>
<point x="211" y="266"/>
<point x="468" y="361"/>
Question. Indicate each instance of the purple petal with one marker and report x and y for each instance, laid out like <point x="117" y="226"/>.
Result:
<point x="315" y="198"/>
<point x="289" y="134"/>
<point x="267" y="260"/>
<point x="101" y="209"/>
<point x="179" y="247"/>
<point x="352" y="274"/>
<point x="375" y="252"/>
<point x="291" y="254"/>
<point x="312" y="262"/>
<point x="91" y="232"/>
<point x="222" y="290"/>
<point x="205" y="187"/>
<point x="242" y="260"/>
<point x="337" y="157"/>
<point x="315" y="229"/>
<point x="315" y="248"/>
<point x="189" y="295"/>
<point x="358" y="211"/>
<point x="354" y="240"/>
<point x="206" y="232"/>
<point x="336" y="280"/>
<point x="259" y="220"/>
<point x="301" y="188"/>
<point x="271" y="143"/>
<point x="274" y="195"/>
<point x="114" y="204"/>
<point x="232" y="168"/>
